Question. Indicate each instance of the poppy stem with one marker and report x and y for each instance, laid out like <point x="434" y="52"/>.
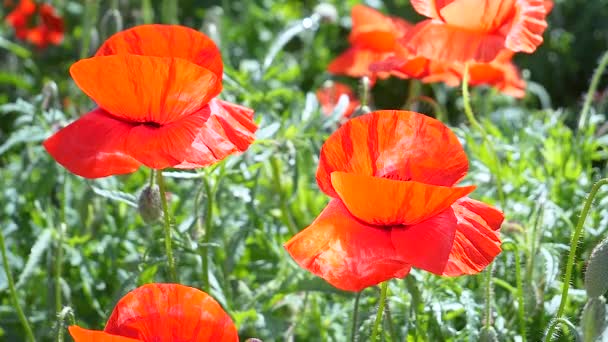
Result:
<point x="595" y="80"/>
<point x="166" y="226"/>
<point x="578" y="231"/>
<point x="520" y="288"/>
<point x="207" y="234"/>
<point x="488" y="308"/>
<point x="378" y="321"/>
<point x="468" y="111"/>
<point x="13" y="292"/>
<point x="353" y="333"/>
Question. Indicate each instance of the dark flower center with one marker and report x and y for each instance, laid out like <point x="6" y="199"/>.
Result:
<point x="151" y="124"/>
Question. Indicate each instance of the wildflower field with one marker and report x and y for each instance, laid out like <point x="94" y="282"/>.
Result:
<point x="398" y="170"/>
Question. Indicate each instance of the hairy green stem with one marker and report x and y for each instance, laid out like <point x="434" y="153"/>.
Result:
<point x="378" y="321"/>
<point x="520" y="288"/>
<point x="13" y="292"/>
<point x="207" y="233"/>
<point x="353" y="333"/>
<point x="578" y="231"/>
<point x="595" y="80"/>
<point x="166" y="226"/>
<point x="488" y="295"/>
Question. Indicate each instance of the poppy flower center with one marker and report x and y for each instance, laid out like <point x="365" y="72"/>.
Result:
<point x="151" y="124"/>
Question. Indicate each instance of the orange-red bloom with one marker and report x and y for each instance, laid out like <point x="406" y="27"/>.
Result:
<point x="49" y="30"/>
<point x="392" y="176"/>
<point x="163" y="312"/>
<point x="155" y="86"/>
<point x="329" y="95"/>
<point x="465" y="30"/>
<point x="373" y="38"/>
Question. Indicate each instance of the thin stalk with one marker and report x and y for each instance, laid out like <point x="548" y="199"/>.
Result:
<point x="468" y="111"/>
<point x="276" y="174"/>
<point x="488" y="295"/>
<point x="595" y="80"/>
<point x="90" y="9"/>
<point x="378" y="321"/>
<point x="207" y="234"/>
<point x="166" y="226"/>
<point x="13" y="292"/>
<point x="389" y="322"/>
<point x="520" y="289"/>
<point x="151" y="177"/>
<point x="578" y="231"/>
<point x="66" y="312"/>
<point x="147" y="12"/>
<point x="353" y="331"/>
<point x="58" y="268"/>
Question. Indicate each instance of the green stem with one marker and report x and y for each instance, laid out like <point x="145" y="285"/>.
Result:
<point x="564" y="322"/>
<point x="353" y="333"/>
<point x="578" y="231"/>
<point x="520" y="289"/>
<point x="378" y="321"/>
<point x="151" y="177"/>
<point x="58" y="268"/>
<point x="207" y="234"/>
<point x="13" y="292"/>
<point x="276" y="174"/>
<point x="468" y="111"/>
<point x="147" y="12"/>
<point x="488" y="295"/>
<point x="167" y="226"/>
<point x="90" y="9"/>
<point x="595" y="80"/>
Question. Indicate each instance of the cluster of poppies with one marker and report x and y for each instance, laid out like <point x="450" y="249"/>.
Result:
<point x="391" y="175"/>
<point x="481" y="35"/>
<point x="38" y="24"/>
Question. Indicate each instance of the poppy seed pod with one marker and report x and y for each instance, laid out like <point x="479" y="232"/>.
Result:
<point x="596" y="277"/>
<point x="488" y="334"/>
<point x="593" y="319"/>
<point x="149" y="204"/>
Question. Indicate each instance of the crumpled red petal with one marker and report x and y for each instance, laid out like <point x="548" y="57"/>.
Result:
<point x="398" y="145"/>
<point x="346" y="252"/>
<point x="476" y="242"/>
<point x="427" y="245"/>
<point x="229" y="129"/>
<point x="84" y="335"/>
<point x="374" y="30"/>
<point x="526" y="32"/>
<point x="166" y="41"/>
<point x="388" y="202"/>
<point x="328" y="97"/>
<point x="93" y="146"/>
<point x="171" y="312"/>
<point x="146" y="89"/>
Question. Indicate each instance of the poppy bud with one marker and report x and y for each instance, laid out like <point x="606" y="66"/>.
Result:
<point x="593" y="320"/>
<point x="596" y="277"/>
<point x="488" y="334"/>
<point x="149" y="204"/>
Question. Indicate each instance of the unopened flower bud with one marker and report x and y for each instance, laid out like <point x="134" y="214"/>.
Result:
<point x="488" y="335"/>
<point x="593" y="319"/>
<point x="596" y="276"/>
<point x="149" y="204"/>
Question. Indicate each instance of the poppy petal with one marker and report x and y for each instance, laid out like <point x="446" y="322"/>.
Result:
<point x="428" y="8"/>
<point x="170" y="312"/>
<point x="346" y="252"/>
<point x="485" y="16"/>
<point x="93" y="146"/>
<point x="146" y="89"/>
<point x="84" y="335"/>
<point x="329" y="95"/>
<point x="444" y="43"/>
<point x="390" y="202"/>
<point x="229" y="129"/>
<point x="526" y="32"/>
<point x="374" y="30"/>
<point x="355" y="62"/>
<point x="477" y="242"/>
<point x="166" y="41"/>
<point x="398" y="145"/>
<point x="427" y="245"/>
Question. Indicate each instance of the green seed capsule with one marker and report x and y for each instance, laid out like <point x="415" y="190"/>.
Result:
<point x="488" y="335"/>
<point x="149" y="204"/>
<point x="593" y="320"/>
<point x="596" y="276"/>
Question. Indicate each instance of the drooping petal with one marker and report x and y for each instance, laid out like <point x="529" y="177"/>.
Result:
<point x="477" y="242"/>
<point x="142" y="89"/>
<point x="500" y="73"/>
<point x="84" y="335"/>
<point x="398" y="145"/>
<point x="346" y="252"/>
<point x="328" y="96"/>
<point x="355" y="62"/>
<point x="427" y="245"/>
<point x="374" y="30"/>
<point x="166" y="41"/>
<point x="93" y="146"/>
<point x="390" y="202"/>
<point x="229" y="129"/>
<point x="526" y="32"/>
<point x="170" y="312"/>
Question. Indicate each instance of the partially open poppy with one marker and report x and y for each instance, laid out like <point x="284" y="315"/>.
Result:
<point x="373" y="38"/>
<point x="155" y="86"/>
<point x="49" y="30"/>
<point x="476" y="30"/>
<point x="329" y="95"/>
<point x="394" y="206"/>
<point x="163" y="312"/>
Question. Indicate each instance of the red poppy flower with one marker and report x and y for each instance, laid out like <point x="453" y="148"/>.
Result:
<point x="163" y="312"/>
<point x="464" y="30"/>
<point x="373" y="38"/>
<point x="155" y="86"/>
<point x="329" y="95"/>
<point x="392" y="176"/>
<point x="500" y="73"/>
<point x="49" y="30"/>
